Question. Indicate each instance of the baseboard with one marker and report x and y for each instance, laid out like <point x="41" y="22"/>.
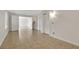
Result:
<point x="2" y="41"/>
<point x="3" y="37"/>
<point x="71" y="42"/>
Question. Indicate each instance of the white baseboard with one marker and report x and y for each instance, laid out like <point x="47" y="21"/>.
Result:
<point x="3" y="37"/>
<point x="71" y="42"/>
<point x="1" y="41"/>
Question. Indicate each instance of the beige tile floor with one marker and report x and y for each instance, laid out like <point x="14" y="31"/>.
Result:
<point x="33" y="40"/>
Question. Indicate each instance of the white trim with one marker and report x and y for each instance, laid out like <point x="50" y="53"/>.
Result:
<point x="71" y="42"/>
<point x="3" y="37"/>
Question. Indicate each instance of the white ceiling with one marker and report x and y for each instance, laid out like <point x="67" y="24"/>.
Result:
<point x="25" y="12"/>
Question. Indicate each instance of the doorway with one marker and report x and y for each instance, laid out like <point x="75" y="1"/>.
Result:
<point x="25" y="27"/>
<point x="25" y="22"/>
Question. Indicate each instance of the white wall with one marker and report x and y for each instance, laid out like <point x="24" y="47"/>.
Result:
<point x="3" y="25"/>
<point x="40" y="22"/>
<point x="66" y="26"/>
<point x="14" y="22"/>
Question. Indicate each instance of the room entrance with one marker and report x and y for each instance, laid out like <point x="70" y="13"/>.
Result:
<point x="25" y="22"/>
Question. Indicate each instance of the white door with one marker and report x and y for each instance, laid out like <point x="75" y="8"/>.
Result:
<point x="46" y="24"/>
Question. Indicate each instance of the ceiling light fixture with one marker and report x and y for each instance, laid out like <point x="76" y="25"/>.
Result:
<point x="52" y="14"/>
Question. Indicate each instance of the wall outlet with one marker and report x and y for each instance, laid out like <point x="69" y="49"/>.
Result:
<point x="52" y="22"/>
<point x="53" y="33"/>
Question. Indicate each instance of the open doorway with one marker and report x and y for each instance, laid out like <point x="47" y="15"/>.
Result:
<point x="25" y="27"/>
<point x="25" y="22"/>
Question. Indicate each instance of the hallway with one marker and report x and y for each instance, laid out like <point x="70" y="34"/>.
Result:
<point x="26" y="38"/>
<point x="51" y="29"/>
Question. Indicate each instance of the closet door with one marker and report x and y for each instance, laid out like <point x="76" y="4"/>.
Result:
<point x="46" y="23"/>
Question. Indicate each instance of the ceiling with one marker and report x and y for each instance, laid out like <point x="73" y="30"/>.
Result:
<point x="25" y="12"/>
